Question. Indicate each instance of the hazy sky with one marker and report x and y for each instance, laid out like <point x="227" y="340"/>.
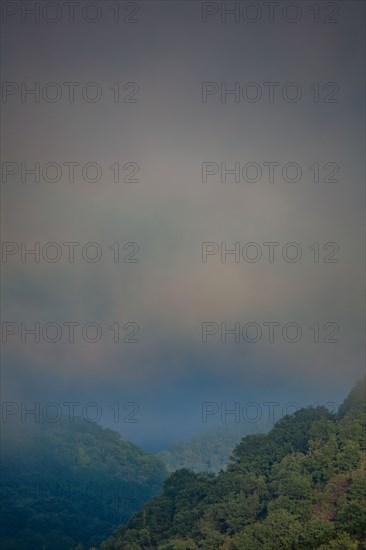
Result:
<point x="148" y="96"/>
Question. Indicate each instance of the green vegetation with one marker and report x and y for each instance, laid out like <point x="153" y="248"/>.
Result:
<point x="65" y="483"/>
<point x="302" y="486"/>
<point x="209" y="451"/>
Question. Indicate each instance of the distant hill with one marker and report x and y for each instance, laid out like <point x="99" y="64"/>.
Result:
<point x="355" y="401"/>
<point x="301" y="486"/>
<point x="209" y="451"/>
<point x="68" y="483"/>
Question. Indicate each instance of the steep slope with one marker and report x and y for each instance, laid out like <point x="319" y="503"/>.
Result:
<point x="67" y="483"/>
<point x="302" y="486"/>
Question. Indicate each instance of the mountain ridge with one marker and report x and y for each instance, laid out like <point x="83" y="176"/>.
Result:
<point x="301" y="486"/>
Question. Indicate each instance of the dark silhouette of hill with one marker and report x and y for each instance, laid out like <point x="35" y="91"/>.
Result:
<point x="68" y="483"/>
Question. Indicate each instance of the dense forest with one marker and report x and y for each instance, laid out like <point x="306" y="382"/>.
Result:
<point x="67" y="484"/>
<point x="302" y="486"/>
<point x="209" y="451"/>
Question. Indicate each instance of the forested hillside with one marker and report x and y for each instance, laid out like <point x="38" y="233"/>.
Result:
<point x="68" y="483"/>
<point x="209" y="451"/>
<point x="302" y="486"/>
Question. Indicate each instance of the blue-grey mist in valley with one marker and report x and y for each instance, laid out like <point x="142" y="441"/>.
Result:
<point x="183" y="211"/>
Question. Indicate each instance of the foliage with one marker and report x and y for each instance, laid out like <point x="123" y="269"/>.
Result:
<point x="66" y="484"/>
<point x="301" y="486"/>
<point x="209" y="451"/>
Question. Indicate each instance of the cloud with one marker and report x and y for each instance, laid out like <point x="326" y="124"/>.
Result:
<point x="170" y="212"/>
